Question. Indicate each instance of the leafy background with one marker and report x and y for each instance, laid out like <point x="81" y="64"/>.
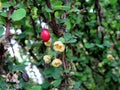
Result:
<point x="88" y="28"/>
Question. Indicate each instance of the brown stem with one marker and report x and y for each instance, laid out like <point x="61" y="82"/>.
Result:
<point x="8" y="22"/>
<point x="33" y="23"/>
<point x="2" y="56"/>
<point x="40" y="14"/>
<point x="56" y="29"/>
<point x="8" y="36"/>
<point x="98" y="8"/>
<point x="22" y="44"/>
<point x="63" y="60"/>
<point x="32" y="54"/>
<point x="7" y="29"/>
<point x="65" y="67"/>
<point x="99" y="17"/>
<point x="34" y="26"/>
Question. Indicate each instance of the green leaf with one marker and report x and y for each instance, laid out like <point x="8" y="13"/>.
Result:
<point x="68" y="24"/>
<point x="45" y="85"/>
<point x="77" y="85"/>
<point x="6" y="4"/>
<point x="107" y="44"/>
<point x="84" y="78"/>
<point x="37" y="87"/>
<point x="60" y="7"/>
<point x="2" y="21"/>
<point x="67" y="36"/>
<point x="57" y="2"/>
<point x="48" y="10"/>
<point x="73" y="40"/>
<point x="69" y="53"/>
<point x="100" y="46"/>
<point x="57" y="73"/>
<point x="3" y="84"/>
<point x="73" y="10"/>
<point x="1" y="30"/>
<point x="18" y="14"/>
<point x="113" y="1"/>
<point x="77" y="74"/>
<point x="56" y="83"/>
<point x="20" y="67"/>
<point x="62" y="39"/>
<point x="48" y="71"/>
<point x="89" y="45"/>
<point x="4" y="14"/>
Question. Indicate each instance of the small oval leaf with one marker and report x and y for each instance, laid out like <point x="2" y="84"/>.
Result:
<point x="18" y="14"/>
<point x="1" y="30"/>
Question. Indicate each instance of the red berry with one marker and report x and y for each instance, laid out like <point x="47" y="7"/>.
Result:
<point x="113" y="46"/>
<point x="45" y="35"/>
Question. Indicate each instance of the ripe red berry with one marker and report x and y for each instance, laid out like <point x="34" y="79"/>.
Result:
<point x="45" y="35"/>
<point x="113" y="46"/>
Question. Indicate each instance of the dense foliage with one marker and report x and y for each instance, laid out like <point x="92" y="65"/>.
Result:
<point x="82" y="54"/>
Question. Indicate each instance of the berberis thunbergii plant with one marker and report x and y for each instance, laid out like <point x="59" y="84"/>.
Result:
<point x="77" y="47"/>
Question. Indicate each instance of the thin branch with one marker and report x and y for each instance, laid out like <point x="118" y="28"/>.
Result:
<point x="23" y="45"/>
<point x="8" y="23"/>
<point x="65" y="67"/>
<point x="8" y="20"/>
<point x="40" y="14"/>
<point x="32" y="54"/>
<point x="48" y="3"/>
<point x="56" y="29"/>
<point x="99" y="17"/>
<point x="33" y="23"/>
<point x="8" y="35"/>
<point x="63" y="60"/>
<point x="34" y="26"/>
<point x="98" y="8"/>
